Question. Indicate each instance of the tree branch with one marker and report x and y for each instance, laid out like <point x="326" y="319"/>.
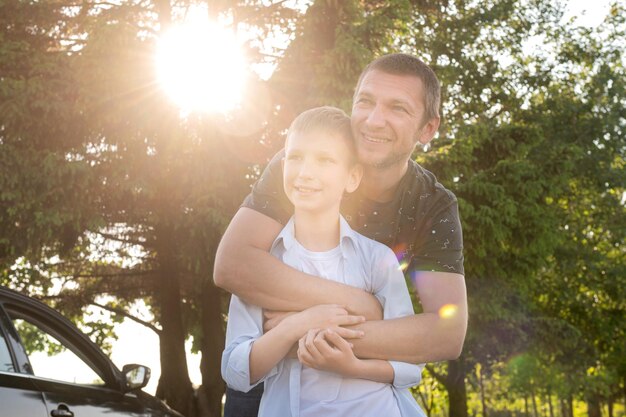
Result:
<point x="123" y="313"/>
<point x="118" y="239"/>
<point x="116" y="275"/>
<point x="439" y="377"/>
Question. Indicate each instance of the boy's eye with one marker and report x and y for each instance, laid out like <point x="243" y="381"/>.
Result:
<point x="293" y="157"/>
<point x="327" y="160"/>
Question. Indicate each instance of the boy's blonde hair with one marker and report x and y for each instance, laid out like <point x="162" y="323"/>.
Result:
<point x="325" y="119"/>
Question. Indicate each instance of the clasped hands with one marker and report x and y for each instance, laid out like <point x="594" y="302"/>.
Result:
<point x="323" y="336"/>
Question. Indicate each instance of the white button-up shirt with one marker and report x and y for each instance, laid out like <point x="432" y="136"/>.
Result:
<point x="292" y="389"/>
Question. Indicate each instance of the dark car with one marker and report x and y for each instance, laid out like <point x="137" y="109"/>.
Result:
<point x="50" y="368"/>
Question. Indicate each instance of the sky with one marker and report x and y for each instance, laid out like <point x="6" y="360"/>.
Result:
<point x="589" y="13"/>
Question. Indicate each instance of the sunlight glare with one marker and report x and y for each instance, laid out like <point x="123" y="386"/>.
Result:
<point x="448" y="311"/>
<point x="201" y="65"/>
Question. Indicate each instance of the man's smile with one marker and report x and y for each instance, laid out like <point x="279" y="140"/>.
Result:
<point x="375" y="139"/>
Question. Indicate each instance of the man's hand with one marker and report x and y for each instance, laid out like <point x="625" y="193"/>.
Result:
<point x="324" y="316"/>
<point x="327" y="351"/>
<point x="272" y="318"/>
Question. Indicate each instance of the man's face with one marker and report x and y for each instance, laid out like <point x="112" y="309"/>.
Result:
<point x="317" y="169"/>
<point x="388" y="118"/>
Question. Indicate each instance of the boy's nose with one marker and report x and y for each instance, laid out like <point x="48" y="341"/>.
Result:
<point x="306" y="169"/>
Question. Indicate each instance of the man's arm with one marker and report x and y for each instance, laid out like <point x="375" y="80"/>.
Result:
<point x="244" y="266"/>
<point x="435" y="335"/>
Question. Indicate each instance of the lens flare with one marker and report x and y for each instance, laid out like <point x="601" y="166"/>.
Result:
<point x="448" y="311"/>
<point x="403" y="266"/>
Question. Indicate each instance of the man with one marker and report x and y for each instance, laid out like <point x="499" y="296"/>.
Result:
<point x="398" y="203"/>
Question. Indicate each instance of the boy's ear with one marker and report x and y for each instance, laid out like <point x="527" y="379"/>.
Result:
<point x="356" y="173"/>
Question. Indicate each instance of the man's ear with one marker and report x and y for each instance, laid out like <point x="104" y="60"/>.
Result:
<point x="427" y="132"/>
<point x="356" y="174"/>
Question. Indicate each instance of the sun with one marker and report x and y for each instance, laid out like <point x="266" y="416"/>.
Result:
<point x="201" y="65"/>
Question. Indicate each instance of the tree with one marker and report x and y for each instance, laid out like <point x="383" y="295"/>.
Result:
<point x="122" y="170"/>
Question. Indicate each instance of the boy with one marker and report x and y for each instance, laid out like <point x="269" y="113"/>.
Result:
<point x="319" y="166"/>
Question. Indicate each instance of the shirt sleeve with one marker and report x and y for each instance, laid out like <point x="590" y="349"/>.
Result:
<point x="391" y="291"/>
<point x="267" y="195"/>
<point x="245" y="326"/>
<point x="438" y="245"/>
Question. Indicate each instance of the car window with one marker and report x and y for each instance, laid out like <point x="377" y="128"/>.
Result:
<point x="6" y="364"/>
<point x="51" y="359"/>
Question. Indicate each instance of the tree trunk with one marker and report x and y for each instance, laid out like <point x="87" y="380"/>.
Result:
<point x="526" y="411"/>
<point x="549" y="399"/>
<point x="610" y="406"/>
<point x="455" y="384"/>
<point x="482" y="391"/>
<point x="624" y="385"/>
<point x="593" y="406"/>
<point x="570" y="405"/>
<point x="174" y="385"/>
<point x="213" y="387"/>
<point x="534" y="401"/>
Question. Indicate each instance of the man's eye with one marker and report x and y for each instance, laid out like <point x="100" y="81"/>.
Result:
<point x="294" y="157"/>
<point x="400" y="109"/>
<point x="364" y="100"/>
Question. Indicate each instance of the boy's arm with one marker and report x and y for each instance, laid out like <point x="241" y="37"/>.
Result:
<point x="274" y="345"/>
<point x="436" y="334"/>
<point x="244" y="266"/>
<point x="326" y="350"/>
<point x="250" y="356"/>
<point x="389" y="287"/>
<point x="244" y="328"/>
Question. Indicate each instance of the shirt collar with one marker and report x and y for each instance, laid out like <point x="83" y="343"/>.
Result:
<point x="347" y="237"/>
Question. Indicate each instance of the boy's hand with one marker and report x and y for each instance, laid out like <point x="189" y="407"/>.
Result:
<point x="327" y="351"/>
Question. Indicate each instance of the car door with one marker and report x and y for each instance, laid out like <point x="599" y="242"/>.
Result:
<point x="74" y="378"/>
<point x="19" y="397"/>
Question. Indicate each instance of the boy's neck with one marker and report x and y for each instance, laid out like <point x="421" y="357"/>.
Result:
<point x="317" y="232"/>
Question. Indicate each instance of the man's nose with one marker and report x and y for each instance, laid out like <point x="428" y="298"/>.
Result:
<point x="376" y="117"/>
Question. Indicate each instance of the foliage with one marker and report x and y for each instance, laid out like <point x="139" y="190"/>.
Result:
<point x="107" y="192"/>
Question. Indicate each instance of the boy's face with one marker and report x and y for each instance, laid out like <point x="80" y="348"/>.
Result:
<point x="317" y="169"/>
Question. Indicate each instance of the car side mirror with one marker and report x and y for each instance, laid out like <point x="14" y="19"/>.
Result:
<point x="136" y="376"/>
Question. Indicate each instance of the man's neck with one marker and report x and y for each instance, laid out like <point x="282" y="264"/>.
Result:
<point x="380" y="184"/>
<point x="317" y="232"/>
